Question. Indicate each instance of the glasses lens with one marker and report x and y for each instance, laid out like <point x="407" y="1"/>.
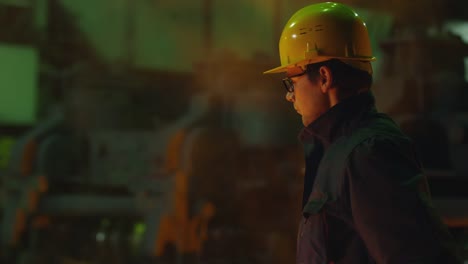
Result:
<point x="288" y="84"/>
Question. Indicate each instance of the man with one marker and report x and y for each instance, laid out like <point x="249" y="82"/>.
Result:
<point x="365" y="197"/>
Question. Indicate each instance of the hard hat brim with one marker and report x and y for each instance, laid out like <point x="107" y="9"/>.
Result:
<point x="359" y="63"/>
<point x="300" y="63"/>
<point x="276" y="70"/>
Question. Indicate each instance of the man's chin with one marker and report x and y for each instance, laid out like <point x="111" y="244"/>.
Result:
<point x="306" y="121"/>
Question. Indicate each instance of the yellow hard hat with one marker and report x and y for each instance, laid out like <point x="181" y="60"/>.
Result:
<point x="321" y="32"/>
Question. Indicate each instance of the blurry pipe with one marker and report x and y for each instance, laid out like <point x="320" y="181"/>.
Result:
<point x="277" y="26"/>
<point x="130" y="32"/>
<point x="207" y="31"/>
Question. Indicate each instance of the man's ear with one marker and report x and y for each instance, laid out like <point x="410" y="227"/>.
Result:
<point x="326" y="79"/>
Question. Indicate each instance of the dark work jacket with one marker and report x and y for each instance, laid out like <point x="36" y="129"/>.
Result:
<point x="365" y="197"/>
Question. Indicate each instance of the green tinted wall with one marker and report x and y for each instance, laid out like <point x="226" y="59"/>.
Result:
<point x="18" y="80"/>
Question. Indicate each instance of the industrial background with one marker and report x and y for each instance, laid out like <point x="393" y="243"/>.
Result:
<point x="143" y="131"/>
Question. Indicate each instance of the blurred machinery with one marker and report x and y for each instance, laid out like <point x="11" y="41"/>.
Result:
<point x="126" y="176"/>
<point x="120" y="172"/>
<point x="125" y="165"/>
<point x="424" y="88"/>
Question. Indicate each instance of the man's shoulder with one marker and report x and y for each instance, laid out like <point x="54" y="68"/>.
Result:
<point x="375" y="136"/>
<point x="381" y="136"/>
<point x="378" y="126"/>
<point x="377" y="133"/>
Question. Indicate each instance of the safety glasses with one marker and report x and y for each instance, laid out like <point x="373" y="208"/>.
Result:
<point x="289" y="84"/>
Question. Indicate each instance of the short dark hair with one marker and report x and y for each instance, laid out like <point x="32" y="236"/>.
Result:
<point x="345" y="77"/>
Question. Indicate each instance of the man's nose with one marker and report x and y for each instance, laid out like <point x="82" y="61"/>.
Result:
<point x="290" y="97"/>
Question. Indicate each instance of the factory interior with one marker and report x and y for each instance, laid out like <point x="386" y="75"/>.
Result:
<point x="144" y="131"/>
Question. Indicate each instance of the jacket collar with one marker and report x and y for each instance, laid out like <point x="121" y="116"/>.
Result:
<point x="339" y="120"/>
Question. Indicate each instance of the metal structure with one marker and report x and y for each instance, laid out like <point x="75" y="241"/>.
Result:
<point x="159" y="188"/>
<point x="136" y="175"/>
